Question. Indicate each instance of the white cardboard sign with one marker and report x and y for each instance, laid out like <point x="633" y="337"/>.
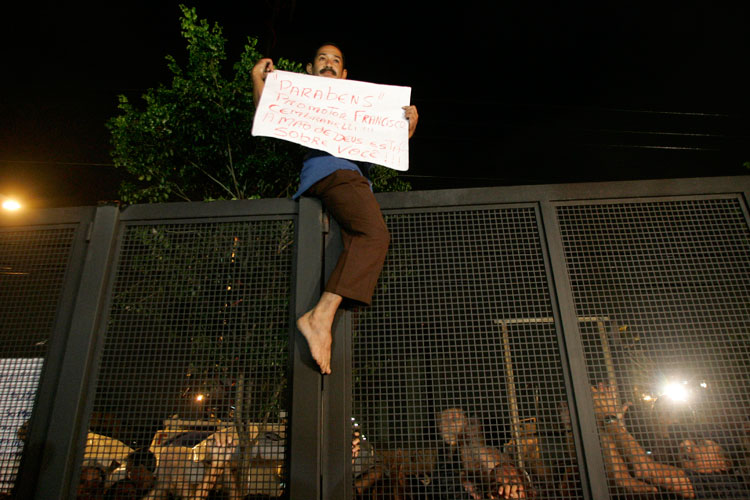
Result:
<point x="350" y="119"/>
<point x="19" y="378"/>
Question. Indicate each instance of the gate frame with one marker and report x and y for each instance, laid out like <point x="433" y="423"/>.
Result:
<point x="320" y="407"/>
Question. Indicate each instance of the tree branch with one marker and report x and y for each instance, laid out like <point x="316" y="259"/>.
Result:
<point x="180" y="192"/>
<point x="217" y="181"/>
<point x="240" y="194"/>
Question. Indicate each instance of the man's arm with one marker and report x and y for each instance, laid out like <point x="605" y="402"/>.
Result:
<point x="644" y="467"/>
<point x="222" y="449"/>
<point x="259" y="73"/>
<point x="620" y="447"/>
<point x="617" y="468"/>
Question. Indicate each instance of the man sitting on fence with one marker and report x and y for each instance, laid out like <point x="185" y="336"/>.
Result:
<point x="345" y="192"/>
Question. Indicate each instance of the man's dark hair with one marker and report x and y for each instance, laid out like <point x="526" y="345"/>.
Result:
<point x="99" y="470"/>
<point x="143" y="457"/>
<point x="333" y="44"/>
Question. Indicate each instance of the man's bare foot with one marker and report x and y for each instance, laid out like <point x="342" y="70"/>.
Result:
<point x="316" y="325"/>
<point x="318" y="336"/>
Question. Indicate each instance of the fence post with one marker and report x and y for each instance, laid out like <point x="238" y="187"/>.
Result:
<point x="306" y="414"/>
<point x="26" y="481"/>
<point x="67" y="429"/>
<point x="580" y="405"/>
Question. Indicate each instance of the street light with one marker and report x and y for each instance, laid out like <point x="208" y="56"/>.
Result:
<point x="676" y="392"/>
<point x="9" y="204"/>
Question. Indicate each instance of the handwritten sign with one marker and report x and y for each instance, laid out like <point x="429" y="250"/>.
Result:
<point x="19" y="378"/>
<point x="346" y="118"/>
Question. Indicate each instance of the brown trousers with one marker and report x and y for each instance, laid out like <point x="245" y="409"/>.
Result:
<point x="347" y="196"/>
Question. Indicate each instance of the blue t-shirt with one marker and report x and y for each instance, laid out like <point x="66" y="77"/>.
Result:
<point x="318" y="165"/>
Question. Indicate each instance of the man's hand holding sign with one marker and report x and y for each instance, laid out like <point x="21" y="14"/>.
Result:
<point x="347" y="125"/>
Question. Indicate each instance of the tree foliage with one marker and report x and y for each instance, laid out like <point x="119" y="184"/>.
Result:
<point x="192" y="140"/>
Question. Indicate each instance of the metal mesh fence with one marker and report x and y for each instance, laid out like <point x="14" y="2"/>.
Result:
<point x="458" y="388"/>
<point x="191" y="395"/>
<point x="32" y="270"/>
<point x="663" y="289"/>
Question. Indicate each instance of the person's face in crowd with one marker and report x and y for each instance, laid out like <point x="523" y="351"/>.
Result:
<point x="123" y="491"/>
<point x="140" y="475"/>
<point x="91" y="486"/>
<point x="329" y="62"/>
<point x="451" y="422"/>
<point x="704" y="456"/>
<point x="356" y="444"/>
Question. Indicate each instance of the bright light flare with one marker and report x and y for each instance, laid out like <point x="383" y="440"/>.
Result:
<point x="11" y="205"/>
<point x="676" y="392"/>
<point x="199" y="398"/>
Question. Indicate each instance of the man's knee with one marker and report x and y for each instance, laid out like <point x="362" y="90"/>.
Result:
<point x="381" y="237"/>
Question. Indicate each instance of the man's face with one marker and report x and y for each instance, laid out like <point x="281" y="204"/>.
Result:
<point x="704" y="456"/>
<point x="452" y="424"/>
<point x="91" y="485"/>
<point x="329" y="62"/>
<point x="139" y="474"/>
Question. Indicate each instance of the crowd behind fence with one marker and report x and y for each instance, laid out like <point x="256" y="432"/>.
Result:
<point x="551" y="342"/>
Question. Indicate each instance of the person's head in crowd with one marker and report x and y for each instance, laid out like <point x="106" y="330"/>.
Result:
<point x="91" y="483"/>
<point x="451" y="423"/>
<point x="122" y="490"/>
<point x="141" y="465"/>
<point x="328" y="61"/>
<point x="704" y="456"/>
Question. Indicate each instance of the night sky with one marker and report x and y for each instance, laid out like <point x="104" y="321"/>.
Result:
<point x="508" y="93"/>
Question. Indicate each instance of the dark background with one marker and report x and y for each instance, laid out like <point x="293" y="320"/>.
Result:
<point x="522" y="93"/>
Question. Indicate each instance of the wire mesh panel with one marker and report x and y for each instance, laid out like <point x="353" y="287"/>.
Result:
<point x="191" y="395"/>
<point x="458" y="389"/>
<point x="32" y="270"/>
<point x="662" y="290"/>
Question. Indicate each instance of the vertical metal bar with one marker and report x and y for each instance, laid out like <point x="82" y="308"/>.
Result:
<point x="607" y="353"/>
<point x="26" y="482"/>
<point x="745" y="204"/>
<point x="68" y="429"/>
<point x="306" y="418"/>
<point x="511" y="384"/>
<point x="580" y="404"/>
<point x="337" y="429"/>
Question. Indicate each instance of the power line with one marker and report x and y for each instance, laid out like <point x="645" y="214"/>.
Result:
<point x="630" y="146"/>
<point x="63" y="163"/>
<point x="444" y="139"/>
<point x="570" y="107"/>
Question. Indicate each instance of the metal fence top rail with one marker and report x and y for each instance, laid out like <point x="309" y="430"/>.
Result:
<point x="412" y="199"/>
<point x="567" y="192"/>
<point x="46" y="216"/>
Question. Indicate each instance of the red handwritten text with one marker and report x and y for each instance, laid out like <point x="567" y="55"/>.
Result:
<point x="287" y="89"/>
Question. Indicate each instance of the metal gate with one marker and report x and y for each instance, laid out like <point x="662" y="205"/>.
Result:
<point x="575" y="341"/>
